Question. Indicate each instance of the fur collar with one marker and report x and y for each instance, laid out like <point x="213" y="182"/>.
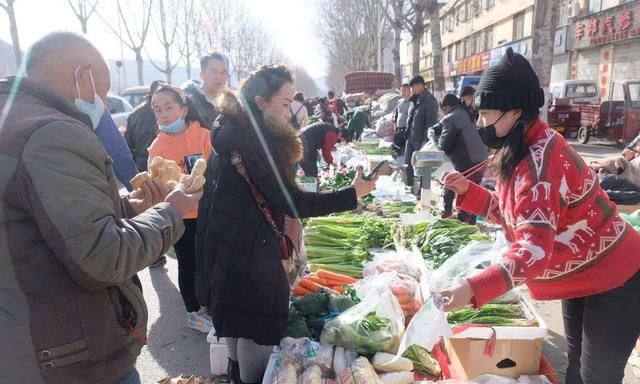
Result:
<point x="286" y="137"/>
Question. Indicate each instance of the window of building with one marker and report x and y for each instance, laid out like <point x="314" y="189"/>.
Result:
<point x="518" y="26"/>
<point x="467" y="10"/>
<point x="488" y="38"/>
<point x="563" y="14"/>
<point x="476" y="43"/>
<point x="466" y="48"/>
<point x="477" y="7"/>
<point x="595" y="6"/>
<point x="459" y="53"/>
<point x="489" y="3"/>
<point x="449" y="53"/>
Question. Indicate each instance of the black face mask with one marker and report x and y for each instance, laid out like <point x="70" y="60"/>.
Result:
<point x="489" y="137"/>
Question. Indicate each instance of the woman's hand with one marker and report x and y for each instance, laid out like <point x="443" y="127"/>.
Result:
<point x="456" y="182"/>
<point x="362" y="186"/>
<point x="457" y="297"/>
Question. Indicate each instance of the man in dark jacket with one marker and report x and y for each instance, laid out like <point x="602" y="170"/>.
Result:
<point x="318" y="137"/>
<point x="423" y="113"/>
<point x="214" y="72"/>
<point x="142" y="129"/>
<point x="461" y="142"/>
<point x="72" y="306"/>
<point x="466" y="94"/>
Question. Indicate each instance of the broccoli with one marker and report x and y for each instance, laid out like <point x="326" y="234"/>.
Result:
<point x="340" y="303"/>
<point x="313" y="304"/>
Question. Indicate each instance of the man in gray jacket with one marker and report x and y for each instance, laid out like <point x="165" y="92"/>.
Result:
<point x="461" y="142"/>
<point x="401" y="118"/>
<point x="71" y="306"/>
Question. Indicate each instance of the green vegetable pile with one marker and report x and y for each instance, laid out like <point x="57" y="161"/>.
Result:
<point x="492" y="314"/>
<point x="395" y="209"/>
<point x="440" y="239"/>
<point x="422" y="360"/>
<point x="366" y="336"/>
<point x="373" y="149"/>
<point x="308" y="314"/>
<point x="341" y="243"/>
<point x="339" y="180"/>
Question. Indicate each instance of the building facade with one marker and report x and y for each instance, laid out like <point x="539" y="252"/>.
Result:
<point x="595" y="39"/>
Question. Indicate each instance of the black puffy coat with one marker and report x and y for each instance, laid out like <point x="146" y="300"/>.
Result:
<point x="239" y="273"/>
<point x="142" y="129"/>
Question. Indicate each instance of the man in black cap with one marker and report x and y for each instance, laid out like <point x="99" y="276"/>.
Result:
<point x="423" y="113"/>
<point x="461" y="142"/>
<point x="466" y="94"/>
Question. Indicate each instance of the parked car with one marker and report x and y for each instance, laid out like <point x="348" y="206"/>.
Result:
<point x="119" y="109"/>
<point x="579" y="91"/>
<point x="135" y="95"/>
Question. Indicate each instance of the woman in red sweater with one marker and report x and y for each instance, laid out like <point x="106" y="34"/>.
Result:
<point x="566" y="239"/>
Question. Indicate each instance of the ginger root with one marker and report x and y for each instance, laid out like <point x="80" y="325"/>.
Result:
<point x="169" y="174"/>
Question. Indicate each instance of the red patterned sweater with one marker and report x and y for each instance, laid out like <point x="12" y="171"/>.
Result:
<point x="566" y="238"/>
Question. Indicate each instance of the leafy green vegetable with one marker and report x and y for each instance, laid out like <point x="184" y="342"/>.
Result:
<point x="422" y="360"/>
<point x="340" y="303"/>
<point x="296" y="325"/>
<point x="366" y="336"/>
<point x="492" y="314"/>
<point x="313" y="304"/>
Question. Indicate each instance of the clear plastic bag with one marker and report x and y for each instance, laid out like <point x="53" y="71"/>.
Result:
<point x="426" y="327"/>
<point x="403" y="261"/>
<point x="319" y="355"/>
<point x="405" y="288"/>
<point x="467" y="261"/>
<point x="293" y="351"/>
<point x="312" y="375"/>
<point x="374" y="325"/>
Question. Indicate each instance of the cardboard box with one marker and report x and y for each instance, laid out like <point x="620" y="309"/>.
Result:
<point x="517" y="350"/>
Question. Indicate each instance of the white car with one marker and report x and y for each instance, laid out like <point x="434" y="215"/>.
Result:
<point x="579" y="91"/>
<point x="119" y="109"/>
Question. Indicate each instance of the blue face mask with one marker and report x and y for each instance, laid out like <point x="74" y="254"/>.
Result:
<point x="93" y="110"/>
<point x="173" y="127"/>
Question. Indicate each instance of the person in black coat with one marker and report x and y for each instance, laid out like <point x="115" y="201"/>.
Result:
<point x="240" y="276"/>
<point x="142" y="129"/>
<point x="423" y="113"/>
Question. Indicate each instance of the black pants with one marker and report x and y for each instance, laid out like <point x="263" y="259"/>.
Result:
<point x="399" y="140"/>
<point x="408" y="154"/>
<point x="186" y="254"/>
<point x="309" y="163"/>
<point x="601" y="331"/>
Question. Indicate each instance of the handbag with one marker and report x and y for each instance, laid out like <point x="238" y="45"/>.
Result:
<point x="292" y="252"/>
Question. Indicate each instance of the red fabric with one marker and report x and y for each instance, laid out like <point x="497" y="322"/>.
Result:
<point x="566" y="238"/>
<point x="330" y="140"/>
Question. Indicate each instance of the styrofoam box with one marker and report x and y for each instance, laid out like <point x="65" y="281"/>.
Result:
<point x="271" y="366"/>
<point x="218" y="354"/>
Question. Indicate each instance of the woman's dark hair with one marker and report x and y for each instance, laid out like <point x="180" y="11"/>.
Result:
<point x="266" y="82"/>
<point x="179" y="96"/>
<point x="298" y="96"/>
<point x="515" y="148"/>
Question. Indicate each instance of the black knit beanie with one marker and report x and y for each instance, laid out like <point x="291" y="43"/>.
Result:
<point x="510" y="84"/>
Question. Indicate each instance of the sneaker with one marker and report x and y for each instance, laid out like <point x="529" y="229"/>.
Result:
<point x="160" y="263"/>
<point x="195" y="320"/>
<point x="203" y="313"/>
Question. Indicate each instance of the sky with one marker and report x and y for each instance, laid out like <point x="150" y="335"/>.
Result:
<point x="290" y="21"/>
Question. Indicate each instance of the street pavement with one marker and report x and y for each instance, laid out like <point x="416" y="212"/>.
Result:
<point x="174" y="349"/>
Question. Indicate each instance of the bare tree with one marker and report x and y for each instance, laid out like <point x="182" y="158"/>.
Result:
<point x="412" y="17"/>
<point x="304" y="82"/>
<point x="136" y="27"/>
<point x="352" y="31"/>
<point x="191" y="25"/>
<point x="166" y="27"/>
<point x="83" y="10"/>
<point x="396" y="24"/>
<point x="13" y="27"/>
<point x="433" y="10"/>
<point x="545" y="16"/>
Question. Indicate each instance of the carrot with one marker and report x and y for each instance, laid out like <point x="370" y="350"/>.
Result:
<point x="323" y="282"/>
<point x="338" y="288"/>
<point x="405" y="299"/>
<point x="301" y="291"/>
<point x="310" y="285"/>
<point x="335" y="276"/>
<point x="401" y="290"/>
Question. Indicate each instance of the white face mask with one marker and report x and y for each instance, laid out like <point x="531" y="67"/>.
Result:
<point x="93" y="110"/>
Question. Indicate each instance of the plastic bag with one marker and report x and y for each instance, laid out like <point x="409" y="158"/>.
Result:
<point x="292" y="351"/>
<point x="374" y="325"/>
<point x="318" y="355"/>
<point x="397" y="378"/>
<point x="403" y="261"/>
<point x="426" y="327"/>
<point x="312" y="375"/>
<point x="285" y="373"/>
<point x="360" y="372"/>
<point x="466" y="262"/>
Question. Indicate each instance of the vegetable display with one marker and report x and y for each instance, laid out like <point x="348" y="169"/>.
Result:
<point x="341" y="243"/>
<point x="506" y="315"/>
<point x="373" y="149"/>
<point x="440" y="239"/>
<point x="422" y="360"/>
